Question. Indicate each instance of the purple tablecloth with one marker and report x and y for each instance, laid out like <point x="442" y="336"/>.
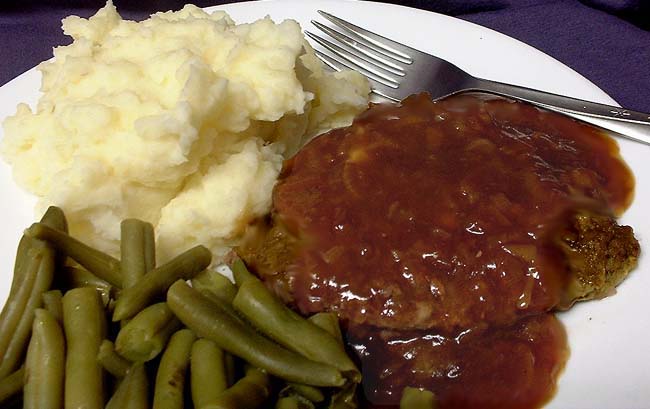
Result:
<point x="607" y="41"/>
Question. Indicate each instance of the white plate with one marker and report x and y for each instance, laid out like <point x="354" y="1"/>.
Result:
<point x="609" y="364"/>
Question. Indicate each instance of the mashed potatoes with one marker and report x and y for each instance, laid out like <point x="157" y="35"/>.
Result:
<point x="182" y="120"/>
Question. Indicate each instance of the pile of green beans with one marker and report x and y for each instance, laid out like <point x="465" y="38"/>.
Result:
<point x="83" y="329"/>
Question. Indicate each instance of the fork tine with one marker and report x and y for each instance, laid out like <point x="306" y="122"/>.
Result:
<point x="379" y="43"/>
<point x="381" y="94"/>
<point x="377" y="88"/>
<point x="347" y="64"/>
<point x="358" y="62"/>
<point x="329" y="61"/>
<point x="350" y="42"/>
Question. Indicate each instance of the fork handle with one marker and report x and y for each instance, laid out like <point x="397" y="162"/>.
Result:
<point x="626" y="123"/>
<point x="564" y="104"/>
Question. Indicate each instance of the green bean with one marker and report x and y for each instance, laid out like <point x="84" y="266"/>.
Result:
<point x="133" y="391"/>
<point x="212" y="319"/>
<point x="25" y="245"/>
<point x="16" y="304"/>
<point x="24" y="261"/>
<point x="249" y="392"/>
<point x="329" y="322"/>
<point x="289" y="329"/>
<point x="215" y="284"/>
<point x="100" y="264"/>
<point x="111" y="361"/>
<point x="207" y="372"/>
<point x="15" y="349"/>
<point x="170" y="378"/>
<point x="84" y="324"/>
<point x="156" y="282"/>
<point x="240" y="273"/>
<point x="11" y="386"/>
<point x="132" y="242"/>
<point x="346" y="398"/>
<point x="54" y="218"/>
<point x="308" y="392"/>
<point x="74" y="277"/>
<point x="33" y="275"/>
<point x="52" y="301"/>
<point x="45" y="364"/>
<point x="288" y="402"/>
<point x="294" y="402"/>
<point x="416" y="398"/>
<point x="149" y="248"/>
<point x="145" y="336"/>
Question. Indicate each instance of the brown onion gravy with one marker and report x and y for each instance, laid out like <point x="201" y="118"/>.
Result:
<point x="512" y="367"/>
<point x="427" y="227"/>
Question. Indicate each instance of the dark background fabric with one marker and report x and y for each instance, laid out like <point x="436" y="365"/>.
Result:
<point x="607" y="41"/>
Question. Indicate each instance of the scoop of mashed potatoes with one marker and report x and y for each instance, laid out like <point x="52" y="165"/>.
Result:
<point x="182" y="120"/>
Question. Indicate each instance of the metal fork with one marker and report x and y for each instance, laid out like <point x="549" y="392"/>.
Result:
<point x="396" y="71"/>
